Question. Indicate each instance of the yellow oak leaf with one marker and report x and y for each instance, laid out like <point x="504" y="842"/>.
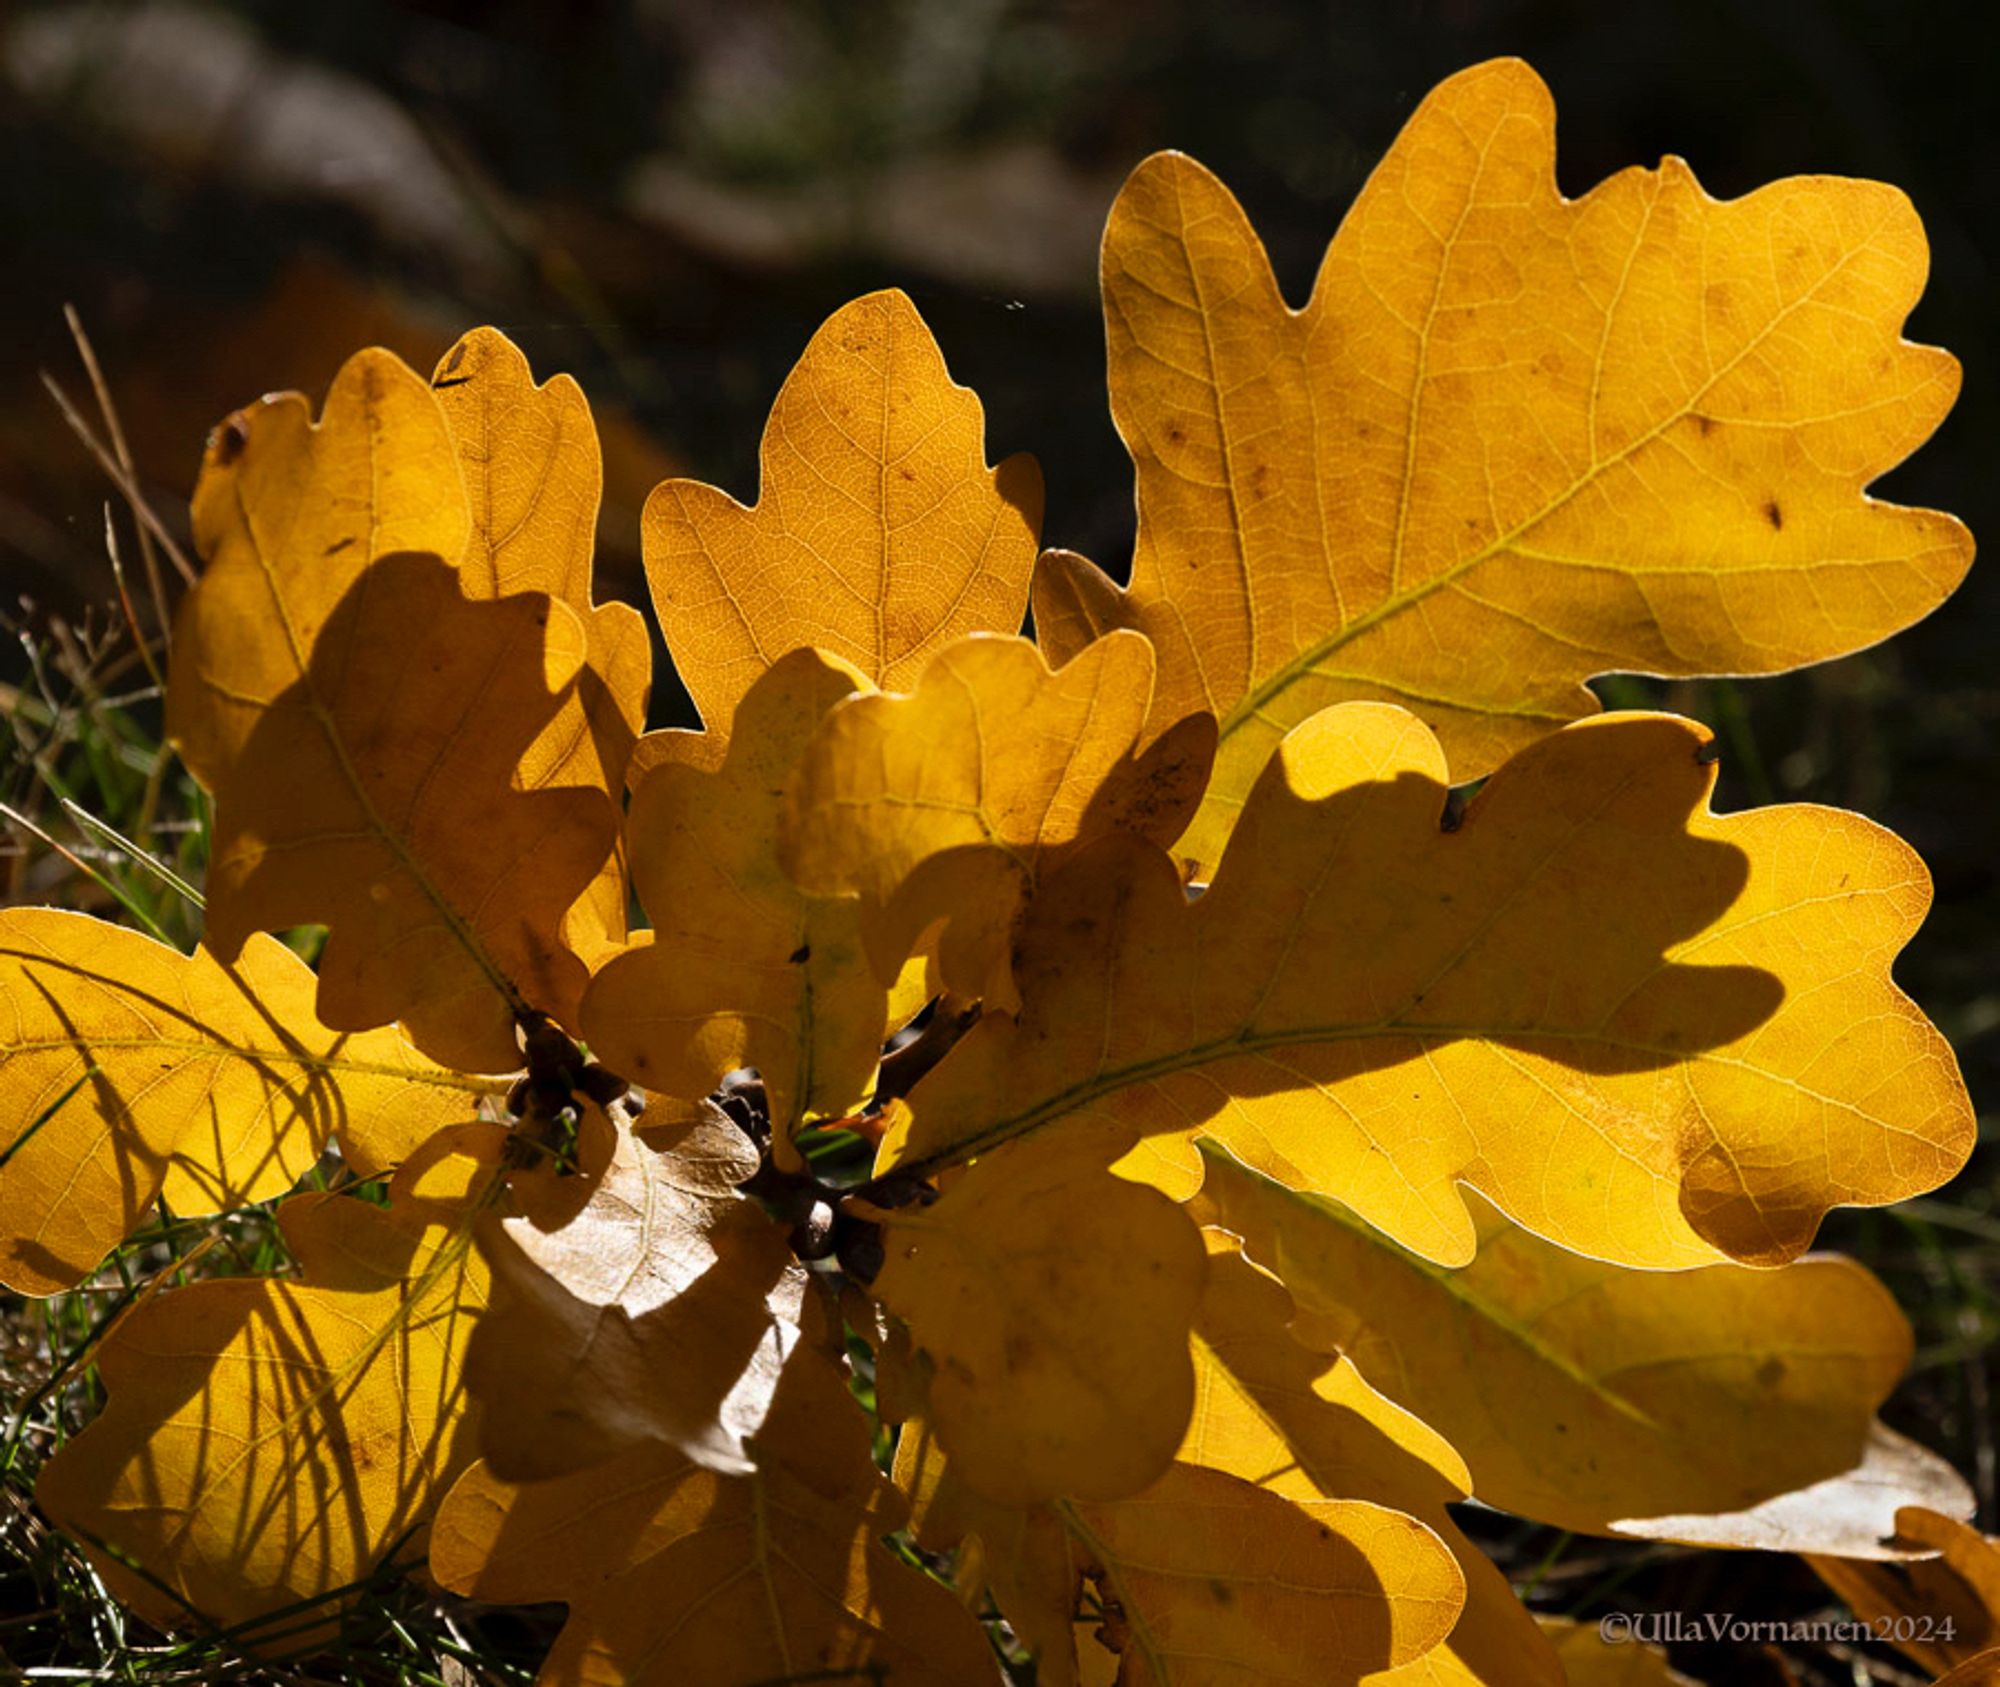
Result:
<point x="1512" y="441"/>
<point x="361" y="784"/>
<point x="1307" y="1426"/>
<point x="740" y="968"/>
<point x="948" y="803"/>
<point x="1053" y="1300"/>
<point x="378" y="797"/>
<point x="533" y="480"/>
<point x="1202" y="1580"/>
<point x="1652" y="1034"/>
<point x="128" y="1070"/>
<point x="1723" y="1406"/>
<point x="662" y="1310"/>
<point x="268" y="1442"/>
<point x="879" y="533"/>
<point x="676" y="1573"/>
<point x="1941" y="1612"/>
<point x="1590" y="1660"/>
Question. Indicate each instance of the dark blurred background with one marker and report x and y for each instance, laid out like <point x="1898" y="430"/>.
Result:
<point x="665" y="197"/>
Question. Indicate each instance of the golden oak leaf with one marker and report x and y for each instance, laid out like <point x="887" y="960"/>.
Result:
<point x="533" y="480"/>
<point x="948" y="803"/>
<point x="676" y="1573"/>
<point x="1301" y="1424"/>
<point x="1982" y="1671"/>
<point x="1203" y="1580"/>
<point x="662" y="1310"/>
<point x="1589" y="1660"/>
<point x="128" y="1070"/>
<point x="1653" y="1034"/>
<point x="378" y="797"/>
<point x="1940" y="1612"/>
<point x="879" y="533"/>
<point x="363" y="724"/>
<point x="1053" y="1300"/>
<point x="740" y="968"/>
<point x="1723" y="1406"/>
<point x="270" y="1441"/>
<point x="1512" y="441"/>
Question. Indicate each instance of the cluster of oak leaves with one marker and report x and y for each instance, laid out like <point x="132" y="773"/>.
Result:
<point x="1292" y="1148"/>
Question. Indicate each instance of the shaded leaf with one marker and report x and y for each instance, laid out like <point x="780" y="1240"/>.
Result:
<point x="950" y="802"/>
<point x="1652" y="1034"/>
<point x="1513" y="441"/>
<point x="1203" y="1579"/>
<point x="214" y="1084"/>
<point x="533" y="478"/>
<point x="269" y="1442"/>
<point x="674" y="1573"/>
<point x="1307" y="1426"/>
<point x="363" y="783"/>
<point x="1667" y="1405"/>
<point x="1939" y="1612"/>
<point x="739" y="969"/>
<point x="1053" y="1300"/>
<point x="377" y="797"/>
<point x="662" y="1310"/>
<point x="879" y="533"/>
<point x="1590" y="1661"/>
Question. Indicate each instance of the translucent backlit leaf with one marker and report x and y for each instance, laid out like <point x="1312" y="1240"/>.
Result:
<point x="948" y="804"/>
<point x="1512" y="441"/>
<point x="1653" y="1034"/>
<point x="270" y="1442"/>
<point x="740" y="968"/>
<point x="127" y="1068"/>
<point x="1667" y="1405"/>
<point x="879" y="533"/>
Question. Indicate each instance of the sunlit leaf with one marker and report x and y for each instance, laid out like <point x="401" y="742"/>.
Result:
<point x="127" y="1069"/>
<point x="879" y="533"/>
<point x="655" y="1305"/>
<point x="1590" y="1660"/>
<point x="365" y="780"/>
<point x="1307" y="1426"/>
<point x="1667" y="1405"/>
<point x="533" y="478"/>
<point x="270" y="1442"/>
<point x="1650" y="1033"/>
<point x="1512" y="441"/>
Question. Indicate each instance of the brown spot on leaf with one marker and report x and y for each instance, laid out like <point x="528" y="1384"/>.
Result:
<point x="230" y="439"/>
<point x="1774" y="515"/>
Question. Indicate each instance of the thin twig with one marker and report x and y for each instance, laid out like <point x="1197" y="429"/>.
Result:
<point x="126" y="485"/>
<point x="123" y="452"/>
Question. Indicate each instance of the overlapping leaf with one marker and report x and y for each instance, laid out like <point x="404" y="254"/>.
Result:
<point x="1723" y="1406"/>
<point x="1203" y="1579"/>
<point x="740" y="968"/>
<point x="364" y="780"/>
<point x="879" y="533"/>
<point x="128" y="1070"/>
<point x="1307" y="1426"/>
<point x="946" y="805"/>
<point x="270" y="1442"/>
<point x="675" y="1573"/>
<point x="1655" y="1035"/>
<point x="660" y="1310"/>
<point x="1590" y="1660"/>
<point x="533" y="478"/>
<point x="1512" y="441"/>
<point x="1053" y="1300"/>
<point x="1941" y="1612"/>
